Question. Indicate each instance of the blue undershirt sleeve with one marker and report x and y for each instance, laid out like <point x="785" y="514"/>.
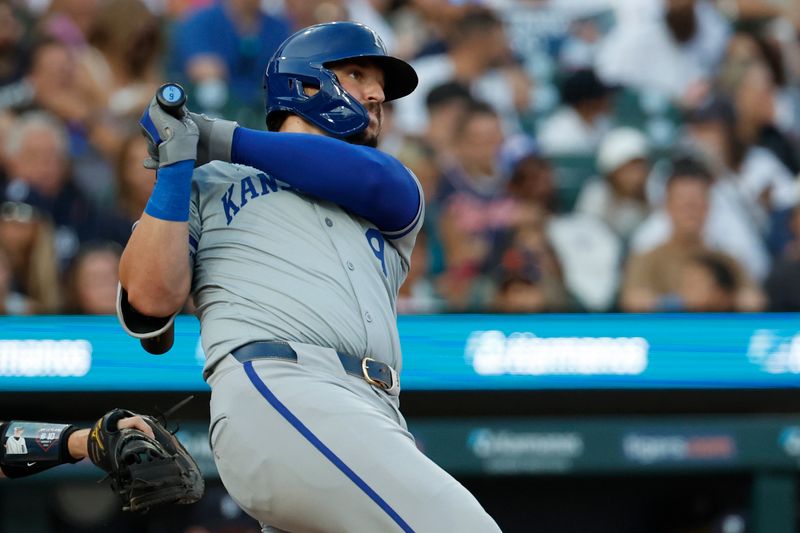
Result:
<point x="363" y="180"/>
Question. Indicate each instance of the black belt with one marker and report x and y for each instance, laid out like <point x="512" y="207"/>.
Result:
<point x="374" y="372"/>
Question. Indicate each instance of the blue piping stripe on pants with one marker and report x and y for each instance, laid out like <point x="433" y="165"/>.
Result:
<point x="319" y="445"/>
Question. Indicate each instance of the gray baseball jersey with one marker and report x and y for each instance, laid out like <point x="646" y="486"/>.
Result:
<point x="304" y="446"/>
<point x="270" y="263"/>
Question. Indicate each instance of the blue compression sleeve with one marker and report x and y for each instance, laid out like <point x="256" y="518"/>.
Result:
<point x="363" y="180"/>
<point x="170" y="197"/>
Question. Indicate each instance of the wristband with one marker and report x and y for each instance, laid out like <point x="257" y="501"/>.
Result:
<point x="31" y="447"/>
<point x="170" y="197"/>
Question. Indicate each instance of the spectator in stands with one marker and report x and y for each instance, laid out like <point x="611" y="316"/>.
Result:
<point x="582" y="120"/>
<point x="765" y="186"/>
<point x="708" y="284"/>
<point x="36" y="154"/>
<point x="128" y="44"/>
<point x="99" y="85"/>
<point x="57" y="88"/>
<point x="11" y="301"/>
<point x="730" y="225"/>
<point x="528" y="276"/>
<point x="519" y="287"/>
<point x="445" y="105"/>
<point x="581" y="42"/>
<point x="303" y="13"/>
<point x="768" y="105"/>
<point x="244" y="38"/>
<point x="26" y="237"/>
<point x="474" y="209"/>
<point x="618" y="198"/>
<point x="70" y="21"/>
<point x="674" y="51"/>
<point x="479" y="57"/>
<point x="65" y="89"/>
<point x="91" y="280"/>
<point x="748" y="11"/>
<point x="750" y="85"/>
<point x="134" y="182"/>
<point x="579" y="256"/>
<point x="14" y="44"/>
<point x="783" y="284"/>
<point x="531" y="179"/>
<point x="652" y="280"/>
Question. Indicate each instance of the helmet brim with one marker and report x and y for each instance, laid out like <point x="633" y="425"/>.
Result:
<point x="400" y="78"/>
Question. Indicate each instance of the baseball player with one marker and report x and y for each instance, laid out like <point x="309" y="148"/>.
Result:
<point x="47" y="445"/>
<point x="294" y="243"/>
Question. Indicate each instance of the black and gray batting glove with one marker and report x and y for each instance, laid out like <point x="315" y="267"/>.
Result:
<point x="171" y="140"/>
<point x="216" y="139"/>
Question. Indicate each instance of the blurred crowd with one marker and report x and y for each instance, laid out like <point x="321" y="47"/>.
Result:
<point x="576" y="155"/>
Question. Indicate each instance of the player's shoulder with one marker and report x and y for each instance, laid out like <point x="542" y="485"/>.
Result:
<point x="220" y="172"/>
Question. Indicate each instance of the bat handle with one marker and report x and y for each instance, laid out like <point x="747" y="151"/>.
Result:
<point x="170" y="98"/>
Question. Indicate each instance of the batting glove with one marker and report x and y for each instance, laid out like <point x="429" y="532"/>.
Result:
<point x="216" y="138"/>
<point x="170" y="139"/>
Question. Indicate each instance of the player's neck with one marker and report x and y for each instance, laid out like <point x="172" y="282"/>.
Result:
<point x="296" y="124"/>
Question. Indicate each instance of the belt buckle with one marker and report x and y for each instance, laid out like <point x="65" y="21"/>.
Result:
<point x="392" y="390"/>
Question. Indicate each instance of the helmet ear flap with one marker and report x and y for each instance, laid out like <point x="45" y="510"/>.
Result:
<point x="333" y="109"/>
<point x="298" y="87"/>
<point x="289" y="85"/>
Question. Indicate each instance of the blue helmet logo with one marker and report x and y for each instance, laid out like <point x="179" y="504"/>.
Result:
<point x="303" y="59"/>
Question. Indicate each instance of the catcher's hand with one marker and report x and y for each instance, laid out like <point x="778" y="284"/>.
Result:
<point x="145" y="472"/>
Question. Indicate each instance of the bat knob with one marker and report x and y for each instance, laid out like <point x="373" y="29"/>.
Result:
<point x="170" y="98"/>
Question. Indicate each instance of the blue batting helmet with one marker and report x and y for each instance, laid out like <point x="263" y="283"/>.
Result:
<point x="304" y="58"/>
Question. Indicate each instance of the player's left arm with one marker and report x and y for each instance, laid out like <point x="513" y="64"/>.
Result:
<point x="69" y="445"/>
<point x="363" y="180"/>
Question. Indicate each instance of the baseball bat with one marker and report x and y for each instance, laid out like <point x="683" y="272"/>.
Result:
<point x="170" y="98"/>
<point x="160" y="344"/>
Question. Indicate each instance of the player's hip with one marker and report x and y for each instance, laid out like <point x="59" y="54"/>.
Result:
<point x="312" y="362"/>
<point x="315" y="378"/>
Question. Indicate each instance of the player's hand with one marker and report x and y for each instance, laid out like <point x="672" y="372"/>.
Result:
<point x="175" y="139"/>
<point x="147" y="468"/>
<point x="216" y="138"/>
<point x="136" y="422"/>
<point x="78" y="440"/>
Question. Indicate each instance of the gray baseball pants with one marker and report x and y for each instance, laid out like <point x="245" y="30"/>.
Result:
<point x="304" y="447"/>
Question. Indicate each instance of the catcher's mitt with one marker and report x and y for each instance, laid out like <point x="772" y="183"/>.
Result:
<point x="144" y="472"/>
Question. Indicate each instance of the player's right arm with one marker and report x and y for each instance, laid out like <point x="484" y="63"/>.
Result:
<point x="155" y="270"/>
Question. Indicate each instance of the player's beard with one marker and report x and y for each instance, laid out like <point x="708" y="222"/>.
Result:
<point x="365" y="137"/>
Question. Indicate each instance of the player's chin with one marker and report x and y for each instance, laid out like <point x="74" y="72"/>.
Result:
<point x="365" y="138"/>
<point x="371" y="141"/>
